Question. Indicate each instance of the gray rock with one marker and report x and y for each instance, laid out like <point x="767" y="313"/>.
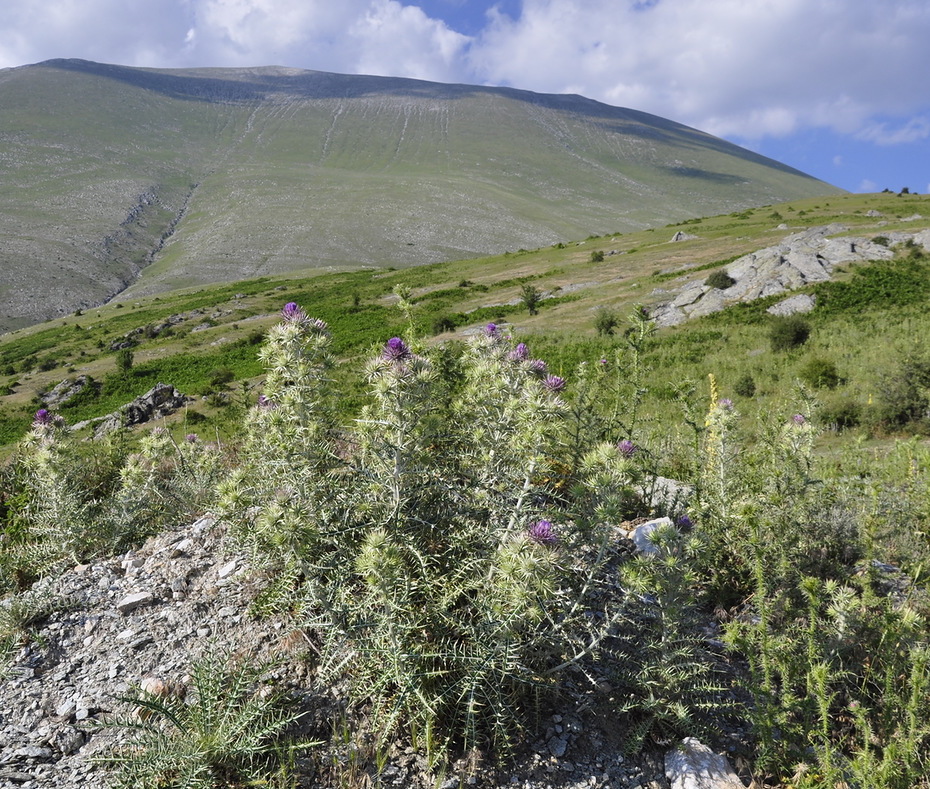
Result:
<point x="641" y="534"/>
<point x="692" y="765"/>
<point x="132" y="601"/>
<point x="793" y="305"/>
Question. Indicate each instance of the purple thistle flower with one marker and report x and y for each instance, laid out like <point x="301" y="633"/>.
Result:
<point x="543" y="533"/>
<point x="725" y="403"/>
<point x="293" y="313"/>
<point x="602" y="362"/>
<point x="519" y="354"/>
<point x="318" y="326"/>
<point x="684" y="522"/>
<point x="191" y="438"/>
<point x="554" y="383"/>
<point x="798" y="419"/>
<point x="42" y="417"/>
<point x="627" y="448"/>
<point x="491" y="330"/>
<point x="395" y="350"/>
<point x="266" y="402"/>
<point x="537" y="367"/>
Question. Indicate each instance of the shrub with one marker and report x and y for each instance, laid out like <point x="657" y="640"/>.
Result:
<point x="789" y="332"/>
<point x="904" y="394"/>
<point x="745" y="386"/>
<point x="606" y="321"/>
<point x="840" y="413"/>
<point x="597" y="256"/>
<point x="443" y="324"/>
<point x="820" y="374"/>
<point x="720" y="280"/>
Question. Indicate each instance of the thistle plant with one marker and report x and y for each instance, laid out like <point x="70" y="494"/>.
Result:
<point x="423" y="543"/>
<point x="230" y="732"/>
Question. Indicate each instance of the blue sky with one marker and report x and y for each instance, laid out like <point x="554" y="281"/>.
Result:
<point x="836" y="88"/>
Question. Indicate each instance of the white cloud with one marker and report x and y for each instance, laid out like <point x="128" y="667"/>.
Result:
<point x="867" y="186"/>
<point x="731" y="67"/>
<point x="914" y="130"/>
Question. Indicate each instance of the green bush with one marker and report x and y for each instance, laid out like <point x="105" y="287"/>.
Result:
<point x="745" y="386"/>
<point x="820" y="374"/>
<point x="606" y="321"/>
<point x="720" y="280"/>
<point x="789" y="332"/>
<point x="597" y="256"/>
<point x="904" y="394"/>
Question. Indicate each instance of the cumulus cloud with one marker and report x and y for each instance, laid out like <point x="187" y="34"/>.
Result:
<point x="730" y="67"/>
<point x="734" y="68"/>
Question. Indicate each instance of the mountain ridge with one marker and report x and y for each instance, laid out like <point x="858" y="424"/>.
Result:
<point x="135" y="181"/>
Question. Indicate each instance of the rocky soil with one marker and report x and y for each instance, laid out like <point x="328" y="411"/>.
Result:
<point x="145" y="617"/>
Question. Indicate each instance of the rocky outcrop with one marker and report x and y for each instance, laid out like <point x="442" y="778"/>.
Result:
<point x="67" y="390"/>
<point x="695" y="766"/>
<point x="800" y="259"/>
<point x="159" y="401"/>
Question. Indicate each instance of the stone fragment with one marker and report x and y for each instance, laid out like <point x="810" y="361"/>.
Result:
<point x="692" y="765"/>
<point x="132" y="601"/>
<point x="641" y="534"/>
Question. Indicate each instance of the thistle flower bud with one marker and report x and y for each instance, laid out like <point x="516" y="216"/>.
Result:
<point x="799" y="419"/>
<point x="537" y="367"/>
<point x="395" y="350"/>
<point x="293" y="313"/>
<point x="627" y="448"/>
<point x="42" y="417"/>
<point x="518" y="354"/>
<point x="542" y="532"/>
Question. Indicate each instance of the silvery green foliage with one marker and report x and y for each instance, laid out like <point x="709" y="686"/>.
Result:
<point x="59" y="519"/>
<point x="223" y="732"/>
<point x="423" y="542"/>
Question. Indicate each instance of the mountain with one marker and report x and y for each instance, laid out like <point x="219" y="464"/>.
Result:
<point x="133" y="181"/>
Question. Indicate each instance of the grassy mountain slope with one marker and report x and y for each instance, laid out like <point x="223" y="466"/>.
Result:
<point x="195" y="338"/>
<point x="118" y="177"/>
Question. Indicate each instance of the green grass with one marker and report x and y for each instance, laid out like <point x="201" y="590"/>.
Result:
<point x="858" y="318"/>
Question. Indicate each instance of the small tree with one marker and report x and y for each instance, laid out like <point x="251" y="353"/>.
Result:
<point x="597" y="256"/>
<point x="531" y="296"/>
<point x="124" y="360"/>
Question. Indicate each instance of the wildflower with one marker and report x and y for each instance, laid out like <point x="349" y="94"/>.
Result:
<point x="602" y="362"/>
<point x="684" y="522"/>
<point x="537" y="367"/>
<point x="554" y="383"/>
<point x="395" y="350"/>
<point x="725" y="403"/>
<point x="266" y="403"/>
<point x="492" y="330"/>
<point x="42" y="417"/>
<point x="543" y="533"/>
<point x="798" y="419"/>
<point x="191" y="438"/>
<point x="293" y="313"/>
<point x="319" y="326"/>
<point x="627" y="448"/>
<point x="518" y="354"/>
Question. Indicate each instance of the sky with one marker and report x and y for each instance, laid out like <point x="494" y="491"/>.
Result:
<point x="836" y="88"/>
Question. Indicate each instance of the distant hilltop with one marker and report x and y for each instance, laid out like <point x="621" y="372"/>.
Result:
<point x="130" y="181"/>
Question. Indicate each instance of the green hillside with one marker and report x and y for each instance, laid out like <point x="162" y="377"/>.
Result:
<point x="194" y="338"/>
<point x="152" y="180"/>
